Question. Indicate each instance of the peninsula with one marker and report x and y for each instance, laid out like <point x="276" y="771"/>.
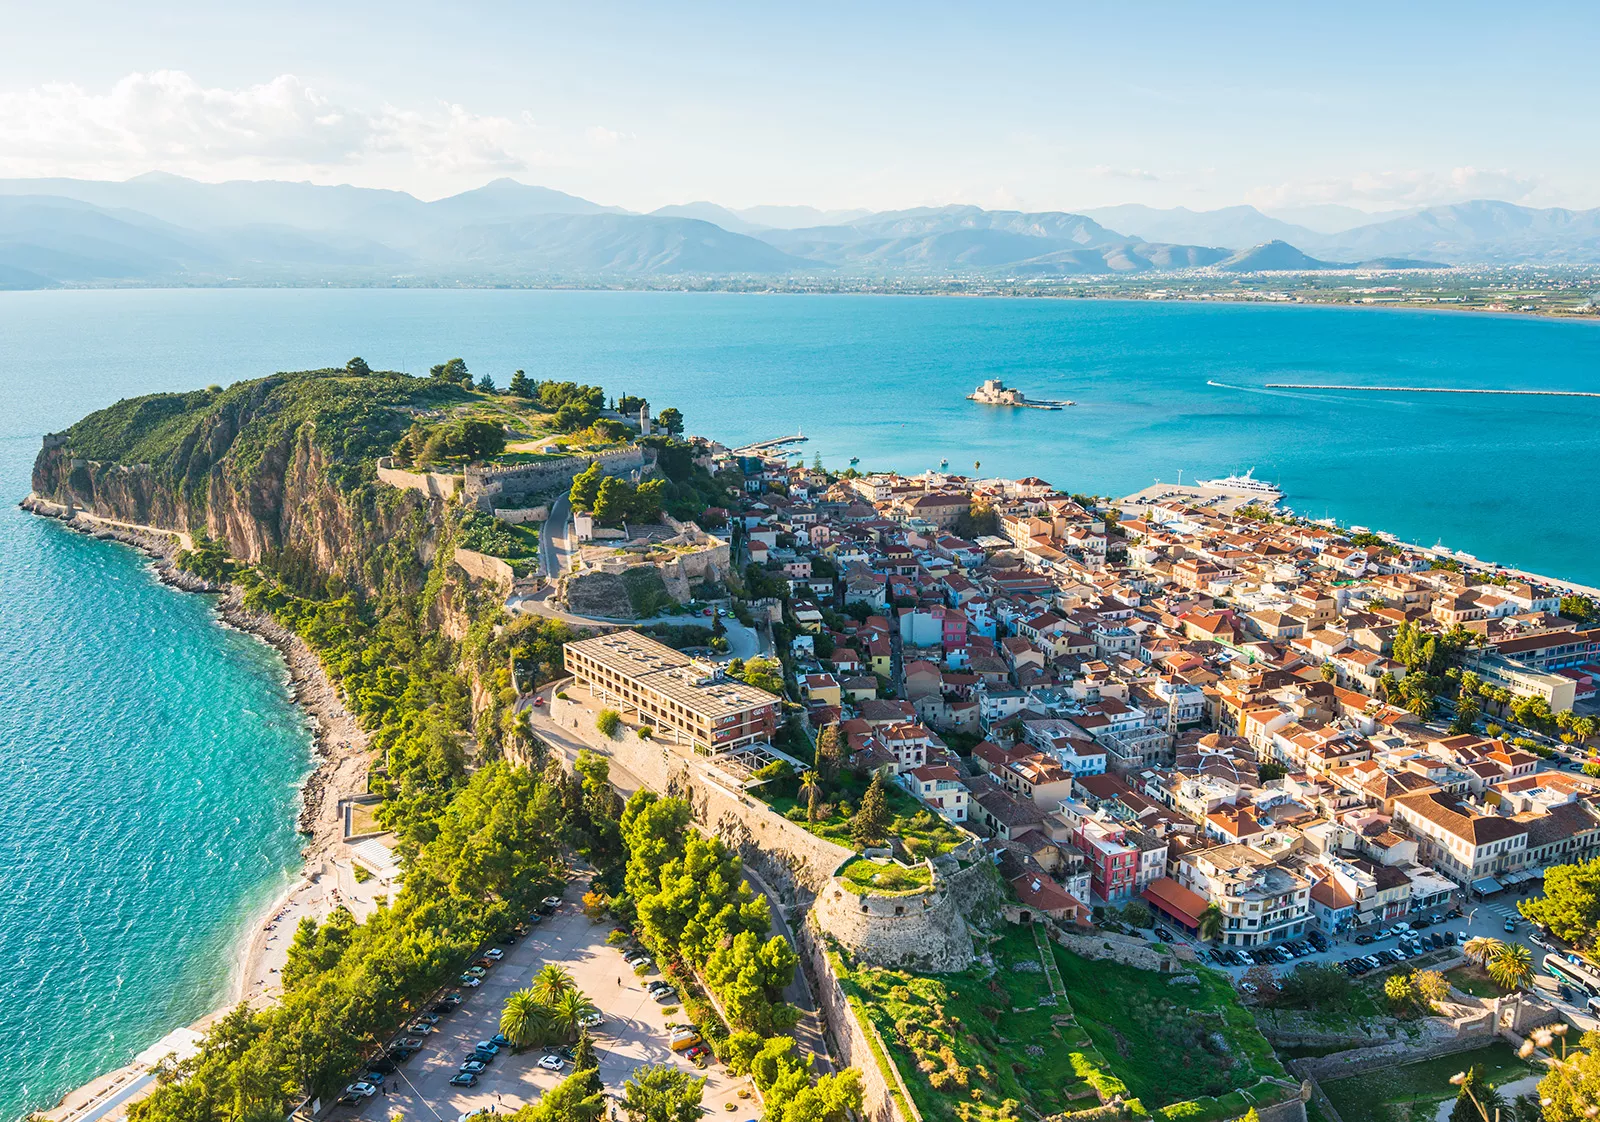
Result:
<point x="847" y="790"/>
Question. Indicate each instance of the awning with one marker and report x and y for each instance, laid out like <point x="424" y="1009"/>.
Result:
<point x="1483" y="886"/>
<point x="1172" y="899"/>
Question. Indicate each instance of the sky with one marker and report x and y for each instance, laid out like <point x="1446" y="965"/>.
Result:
<point x="880" y="106"/>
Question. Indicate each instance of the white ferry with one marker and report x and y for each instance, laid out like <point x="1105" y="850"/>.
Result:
<point x="1246" y="482"/>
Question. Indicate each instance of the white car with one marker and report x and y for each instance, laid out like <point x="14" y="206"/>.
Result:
<point x="364" y="1090"/>
<point x="550" y="1063"/>
<point x="471" y="983"/>
<point x="495" y="953"/>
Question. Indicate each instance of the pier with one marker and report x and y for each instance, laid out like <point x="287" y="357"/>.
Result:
<point x="1428" y="389"/>
<point x="766" y="447"/>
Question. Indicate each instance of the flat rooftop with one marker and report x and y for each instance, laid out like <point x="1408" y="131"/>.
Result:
<point x="697" y="686"/>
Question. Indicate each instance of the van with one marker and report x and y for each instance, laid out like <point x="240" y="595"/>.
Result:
<point x="1594" y="1007"/>
<point x="684" y="1038"/>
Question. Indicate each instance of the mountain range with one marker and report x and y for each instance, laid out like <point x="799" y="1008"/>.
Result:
<point x="165" y="229"/>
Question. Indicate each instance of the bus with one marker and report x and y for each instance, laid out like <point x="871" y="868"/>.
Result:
<point x="1580" y="975"/>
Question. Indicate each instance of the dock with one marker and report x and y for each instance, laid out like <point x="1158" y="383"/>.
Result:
<point x="1429" y="389"/>
<point x="767" y="447"/>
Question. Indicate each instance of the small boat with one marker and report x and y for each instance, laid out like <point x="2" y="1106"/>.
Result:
<point x="854" y="460"/>
<point x="943" y="464"/>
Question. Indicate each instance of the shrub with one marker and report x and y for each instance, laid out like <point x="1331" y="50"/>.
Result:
<point x="609" y="722"/>
<point x="646" y="732"/>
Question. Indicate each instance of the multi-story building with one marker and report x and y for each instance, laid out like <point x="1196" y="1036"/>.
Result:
<point x="1460" y="842"/>
<point x="1113" y="859"/>
<point x="1261" y="901"/>
<point x="684" y="700"/>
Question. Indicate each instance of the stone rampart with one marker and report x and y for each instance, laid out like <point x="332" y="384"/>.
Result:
<point x="490" y="570"/>
<point x="485" y="483"/>
<point x="1117" y="948"/>
<point x="432" y="484"/>
<point x="848" y="1040"/>
<point x="516" y="515"/>
<point x="922" y="932"/>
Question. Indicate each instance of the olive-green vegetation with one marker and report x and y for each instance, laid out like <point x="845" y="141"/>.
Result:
<point x="1570" y="905"/>
<point x="516" y="543"/>
<point x="349" y="418"/>
<point x="462" y="440"/>
<point x="613" y="501"/>
<point x="922" y="832"/>
<point x="208" y="559"/>
<point x="687" y="897"/>
<point x="885" y="878"/>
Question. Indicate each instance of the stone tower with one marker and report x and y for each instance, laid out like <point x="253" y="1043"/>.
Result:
<point x="644" y="419"/>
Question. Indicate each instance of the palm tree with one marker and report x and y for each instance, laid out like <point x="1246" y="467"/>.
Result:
<point x="568" y="1011"/>
<point x="1211" y="923"/>
<point x="1511" y="966"/>
<point x="551" y="982"/>
<point x="1481" y="948"/>
<point x="525" y="1019"/>
<point x="976" y="464"/>
<point x="813" y="792"/>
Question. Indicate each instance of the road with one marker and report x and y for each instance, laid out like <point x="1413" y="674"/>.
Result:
<point x="633" y="1033"/>
<point x="553" y="548"/>
<point x="808" y="1032"/>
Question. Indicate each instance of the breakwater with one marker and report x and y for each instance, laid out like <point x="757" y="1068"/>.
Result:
<point x="1425" y="389"/>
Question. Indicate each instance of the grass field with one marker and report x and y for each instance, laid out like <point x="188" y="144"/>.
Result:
<point x="1412" y="1092"/>
<point x="886" y="879"/>
<point x="1474" y="980"/>
<point x="924" y="833"/>
<point x="986" y="1046"/>
<point x="1169" y="1043"/>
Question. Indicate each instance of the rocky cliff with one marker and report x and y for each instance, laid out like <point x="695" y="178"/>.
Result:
<point x="278" y="468"/>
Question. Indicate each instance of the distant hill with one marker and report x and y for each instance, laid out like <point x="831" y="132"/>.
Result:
<point x="160" y="228"/>
<point x="1484" y="231"/>
<point x="1235" y="227"/>
<point x="1272" y="257"/>
<point x="710" y="212"/>
<point x="608" y="243"/>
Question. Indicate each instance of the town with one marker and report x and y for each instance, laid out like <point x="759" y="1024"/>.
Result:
<point x="1181" y="722"/>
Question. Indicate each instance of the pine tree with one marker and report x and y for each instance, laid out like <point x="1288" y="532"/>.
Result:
<point x="829" y="752"/>
<point x="520" y="385"/>
<point x="872" y="820"/>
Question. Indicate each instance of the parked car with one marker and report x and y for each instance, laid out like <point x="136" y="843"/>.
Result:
<point x="494" y="953"/>
<point x="421" y="1028"/>
<point x="475" y="972"/>
<point x="1246" y="958"/>
<point x="638" y="960"/>
<point x="1364" y="939"/>
<point x="483" y="1056"/>
<point x="476" y="1067"/>
<point x="470" y="981"/>
<point x="535" y="919"/>
<point x="593" y="1020"/>
<point x="463" y="1079"/>
<point x="550" y="1062"/>
<point x="551" y="903"/>
<point x="499" y="1040"/>
<point x="1511" y="924"/>
<point x="361" y="1090"/>
<point x="488" y="1046"/>
<point x="1318" y="939"/>
<point x="382" y="1065"/>
<point x="666" y="996"/>
<point x="511" y="937"/>
<point x="657" y="984"/>
<point x="1436" y="940"/>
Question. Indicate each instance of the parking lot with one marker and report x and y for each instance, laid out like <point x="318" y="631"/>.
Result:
<point x="633" y="1033"/>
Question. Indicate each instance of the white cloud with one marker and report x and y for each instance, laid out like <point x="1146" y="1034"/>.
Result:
<point x="1401" y="188"/>
<point x="1103" y="171"/>
<point x="166" y="119"/>
<point x="601" y="137"/>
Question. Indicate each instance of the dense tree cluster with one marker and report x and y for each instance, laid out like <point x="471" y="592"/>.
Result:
<point x="613" y="501"/>
<point x="459" y="441"/>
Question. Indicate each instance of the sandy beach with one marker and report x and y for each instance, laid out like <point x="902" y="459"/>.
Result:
<point x="327" y="879"/>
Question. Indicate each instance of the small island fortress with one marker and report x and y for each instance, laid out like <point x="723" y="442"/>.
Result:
<point x="995" y="392"/>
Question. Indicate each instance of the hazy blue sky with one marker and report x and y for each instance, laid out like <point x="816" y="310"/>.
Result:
<point x="836" y="105"/>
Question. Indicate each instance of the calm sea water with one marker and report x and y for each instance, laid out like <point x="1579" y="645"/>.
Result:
<point x="153" y="754"/>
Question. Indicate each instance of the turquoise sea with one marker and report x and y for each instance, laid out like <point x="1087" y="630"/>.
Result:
<point x="152" y="755"/>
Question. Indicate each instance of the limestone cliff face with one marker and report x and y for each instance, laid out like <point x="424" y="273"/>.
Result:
<point x="286" y="502"/>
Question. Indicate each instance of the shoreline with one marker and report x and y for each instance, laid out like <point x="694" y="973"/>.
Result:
<point x="339" y="769"/>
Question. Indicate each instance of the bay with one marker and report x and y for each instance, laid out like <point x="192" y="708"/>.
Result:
<point x="153" y="755"/>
